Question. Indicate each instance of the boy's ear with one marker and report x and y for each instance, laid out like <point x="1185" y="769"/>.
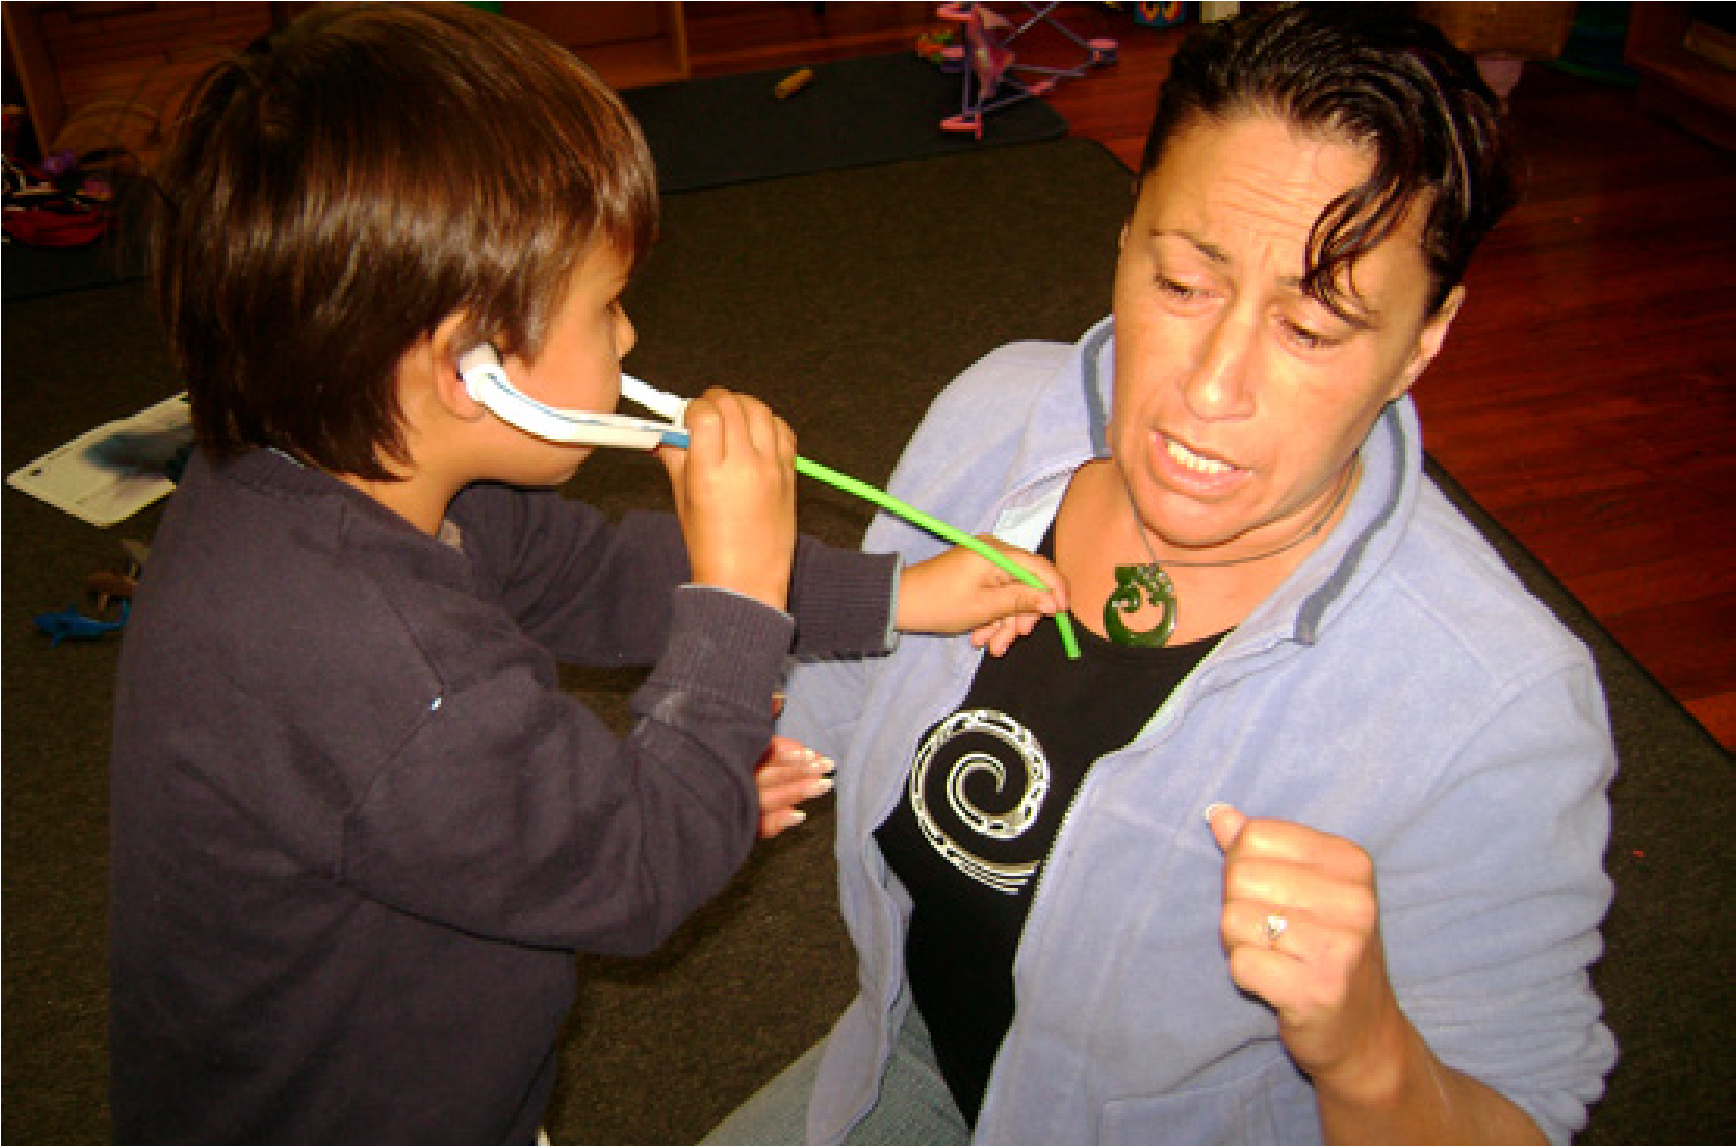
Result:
<point x="450" y="340"/>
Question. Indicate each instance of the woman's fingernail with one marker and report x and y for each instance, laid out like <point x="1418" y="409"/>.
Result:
<point x="1212" y="810"/>
<point x="819" y="788"/>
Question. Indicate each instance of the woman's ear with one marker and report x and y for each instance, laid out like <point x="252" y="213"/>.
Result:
<point x="1429" y="341"/>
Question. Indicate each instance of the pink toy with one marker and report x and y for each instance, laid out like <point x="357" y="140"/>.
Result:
<point x="993" y="77"/>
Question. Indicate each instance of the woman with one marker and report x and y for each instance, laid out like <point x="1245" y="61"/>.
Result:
<point x="1307" y="846"/>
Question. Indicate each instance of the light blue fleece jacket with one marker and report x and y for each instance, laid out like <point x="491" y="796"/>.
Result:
<point x="1401" y="689"/>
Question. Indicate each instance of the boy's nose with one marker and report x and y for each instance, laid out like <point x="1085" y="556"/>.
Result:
<point x="625" y="336"/>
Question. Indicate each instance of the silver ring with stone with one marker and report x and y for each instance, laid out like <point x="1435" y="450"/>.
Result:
<point x="1276" y="925"/>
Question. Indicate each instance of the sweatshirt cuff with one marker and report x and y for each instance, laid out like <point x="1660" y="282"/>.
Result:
<point x="728" y="645"/>
<point x="844" y="600"/>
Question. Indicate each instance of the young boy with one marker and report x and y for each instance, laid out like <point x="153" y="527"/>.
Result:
<point x="358" y="829"/>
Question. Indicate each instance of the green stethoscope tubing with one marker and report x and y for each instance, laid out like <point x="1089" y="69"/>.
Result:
<point x="879" y="497"/>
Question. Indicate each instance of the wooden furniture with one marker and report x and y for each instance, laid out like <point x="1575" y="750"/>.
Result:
<point x="629" y="45"/>
<point x="1503" y="36"/>
<point x="1516" y="31"/>
<point x="1686" y="68"/>
<point x="110" y="75"/>
<point x="99" y="75"/>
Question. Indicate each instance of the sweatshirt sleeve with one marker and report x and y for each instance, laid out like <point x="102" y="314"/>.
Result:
<point x="1493" y="896"/>
<point x="512" y="811"/>
<point x="596" y="593"/>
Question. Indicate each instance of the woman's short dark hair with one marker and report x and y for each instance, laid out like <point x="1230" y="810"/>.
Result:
<point x="341" y="188"/>
<point x="1373" y="78"/>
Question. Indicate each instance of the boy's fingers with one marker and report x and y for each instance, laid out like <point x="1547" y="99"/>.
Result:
<point x="674" y="460"/>
<point x="705" y="425"/>
<point x="1050" y="599"/>
<point x="1029" y="603"/>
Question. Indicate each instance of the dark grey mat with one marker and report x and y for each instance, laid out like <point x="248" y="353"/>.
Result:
<point x="26" y="272"/>
<point x="853" y="113"/>
<point x="847" y="299"/>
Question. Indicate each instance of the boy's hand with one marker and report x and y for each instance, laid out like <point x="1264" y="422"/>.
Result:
<point x="735" y="493"/>
<point x="788" y="774"/>
<point x="957" y="591"/>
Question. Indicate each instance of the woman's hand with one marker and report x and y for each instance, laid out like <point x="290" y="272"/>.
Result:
<point x="735" y="493"/>
<point x="788" y="774"/>
<point x="1301" y="927"/>
<point x="959" y="591"/>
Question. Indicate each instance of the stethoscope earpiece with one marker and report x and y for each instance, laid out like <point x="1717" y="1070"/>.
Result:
<point x="485" y="380"/>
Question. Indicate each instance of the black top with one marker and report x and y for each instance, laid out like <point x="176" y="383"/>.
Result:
<point x="989" y="789"/>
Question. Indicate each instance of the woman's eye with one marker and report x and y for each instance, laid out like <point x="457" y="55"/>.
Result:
<point x="1179" y="291"/>
<point x="1312" y="339"/>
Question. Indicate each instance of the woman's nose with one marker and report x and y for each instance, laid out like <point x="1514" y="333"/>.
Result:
<point x="1220" y="383"/>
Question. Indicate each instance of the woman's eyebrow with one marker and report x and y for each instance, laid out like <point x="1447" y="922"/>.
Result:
<point x="1360" y="316"/>
<point x="1199" y="243"/>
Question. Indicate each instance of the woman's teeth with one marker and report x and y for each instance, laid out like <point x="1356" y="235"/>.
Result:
<point x="1187" y="458"/>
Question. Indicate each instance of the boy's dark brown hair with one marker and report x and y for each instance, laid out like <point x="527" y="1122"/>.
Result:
<point x="337" y="191"/>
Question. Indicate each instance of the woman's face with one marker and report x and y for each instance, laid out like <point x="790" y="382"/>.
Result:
<point x="1239" y="399"/>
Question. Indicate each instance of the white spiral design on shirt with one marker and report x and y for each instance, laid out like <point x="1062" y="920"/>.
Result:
<point x="1007" y="878"/>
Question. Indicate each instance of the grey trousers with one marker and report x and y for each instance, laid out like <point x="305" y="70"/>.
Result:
<point x="915" y="1106"/>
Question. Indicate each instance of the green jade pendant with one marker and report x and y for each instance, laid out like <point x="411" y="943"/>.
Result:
<point x="1137" y="586"/>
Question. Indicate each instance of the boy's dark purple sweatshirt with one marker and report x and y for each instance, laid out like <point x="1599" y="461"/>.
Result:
<point x="359" y="830"/>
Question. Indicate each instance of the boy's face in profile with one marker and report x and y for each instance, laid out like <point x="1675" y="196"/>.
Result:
<point x="579" y="366"/>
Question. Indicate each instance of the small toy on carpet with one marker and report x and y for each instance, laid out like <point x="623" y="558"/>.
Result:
<point x="993" y="76"/>
<point x="107" y="586"/>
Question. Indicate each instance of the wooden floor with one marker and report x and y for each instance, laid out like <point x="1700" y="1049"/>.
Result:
<point x="1586" y="396"/>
